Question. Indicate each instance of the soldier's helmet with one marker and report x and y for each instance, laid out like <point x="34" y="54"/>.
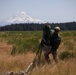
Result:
<point x="57" y="28"/>
<point x="47" y="27"/>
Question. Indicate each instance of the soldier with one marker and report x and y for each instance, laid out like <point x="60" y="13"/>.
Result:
<point x="45" y="42"/>
<point x="55" y="41"/>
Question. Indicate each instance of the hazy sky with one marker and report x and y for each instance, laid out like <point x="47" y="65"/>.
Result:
<point x="45" y="10"/>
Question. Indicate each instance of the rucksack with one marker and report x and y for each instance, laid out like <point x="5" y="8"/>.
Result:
<point x="46" y="34"/>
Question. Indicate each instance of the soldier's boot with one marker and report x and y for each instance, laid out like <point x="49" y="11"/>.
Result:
<point x="47" y="58"/>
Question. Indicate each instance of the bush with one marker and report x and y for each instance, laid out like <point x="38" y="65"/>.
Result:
<point x="13" y="50"/>
<point x="66" y="55"/>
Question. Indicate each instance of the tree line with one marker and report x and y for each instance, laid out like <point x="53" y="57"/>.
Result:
<point x="37" y="26"/>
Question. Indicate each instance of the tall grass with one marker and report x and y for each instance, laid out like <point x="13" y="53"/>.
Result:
<point x="22" y="41"/>
<point x="26" y="42"/>
<point x="63" y="68"/>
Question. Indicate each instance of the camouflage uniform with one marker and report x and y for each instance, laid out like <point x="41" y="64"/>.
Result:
<point x="55" y="41"/>
<point x="45" y="42"/>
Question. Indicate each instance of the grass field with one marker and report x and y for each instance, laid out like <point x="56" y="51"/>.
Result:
<point x="17" y="50"/>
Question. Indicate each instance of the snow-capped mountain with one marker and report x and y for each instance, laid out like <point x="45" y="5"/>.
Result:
<point x="21" y="17"/>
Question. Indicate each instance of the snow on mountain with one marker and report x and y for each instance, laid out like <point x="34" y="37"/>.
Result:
<point x="21" y="17"/>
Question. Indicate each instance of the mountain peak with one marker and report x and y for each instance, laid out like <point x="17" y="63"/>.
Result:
<point x="21" y="14"/>
<point x="21" y="17"/>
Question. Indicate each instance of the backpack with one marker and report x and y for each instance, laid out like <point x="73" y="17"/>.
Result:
<point x="46" y="35"/>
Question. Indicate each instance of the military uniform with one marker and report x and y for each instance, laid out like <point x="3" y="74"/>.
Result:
<point x="45" y="42"/>
<point x="55" y="41"/>
<point x="50" y="43"/>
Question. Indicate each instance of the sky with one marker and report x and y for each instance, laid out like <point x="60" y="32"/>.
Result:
<point x="53" y="11"/>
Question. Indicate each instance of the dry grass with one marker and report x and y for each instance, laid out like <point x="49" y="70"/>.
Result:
<point x="66" y="67"/>
<point x="20" y="62"/>
<point x="13" y="63"/>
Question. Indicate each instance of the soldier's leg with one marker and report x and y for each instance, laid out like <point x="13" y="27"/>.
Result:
<point x="47" y="58"/>
<point x="46" y="54"/>
<point x="54" y="53"/>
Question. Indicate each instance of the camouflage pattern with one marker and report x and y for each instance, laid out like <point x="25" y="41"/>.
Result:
<point x="55" y="41"/>
<point x="50" y="43"/>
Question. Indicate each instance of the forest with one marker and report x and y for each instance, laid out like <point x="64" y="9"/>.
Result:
<point x="37" y="26"/>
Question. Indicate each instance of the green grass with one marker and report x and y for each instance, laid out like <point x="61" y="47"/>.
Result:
<point x="68" y="33"/>
<point x="24" y="41"/>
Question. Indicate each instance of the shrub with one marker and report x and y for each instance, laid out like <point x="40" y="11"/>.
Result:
<point x="66" y="55"/>
<point x="13" y="50"/>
